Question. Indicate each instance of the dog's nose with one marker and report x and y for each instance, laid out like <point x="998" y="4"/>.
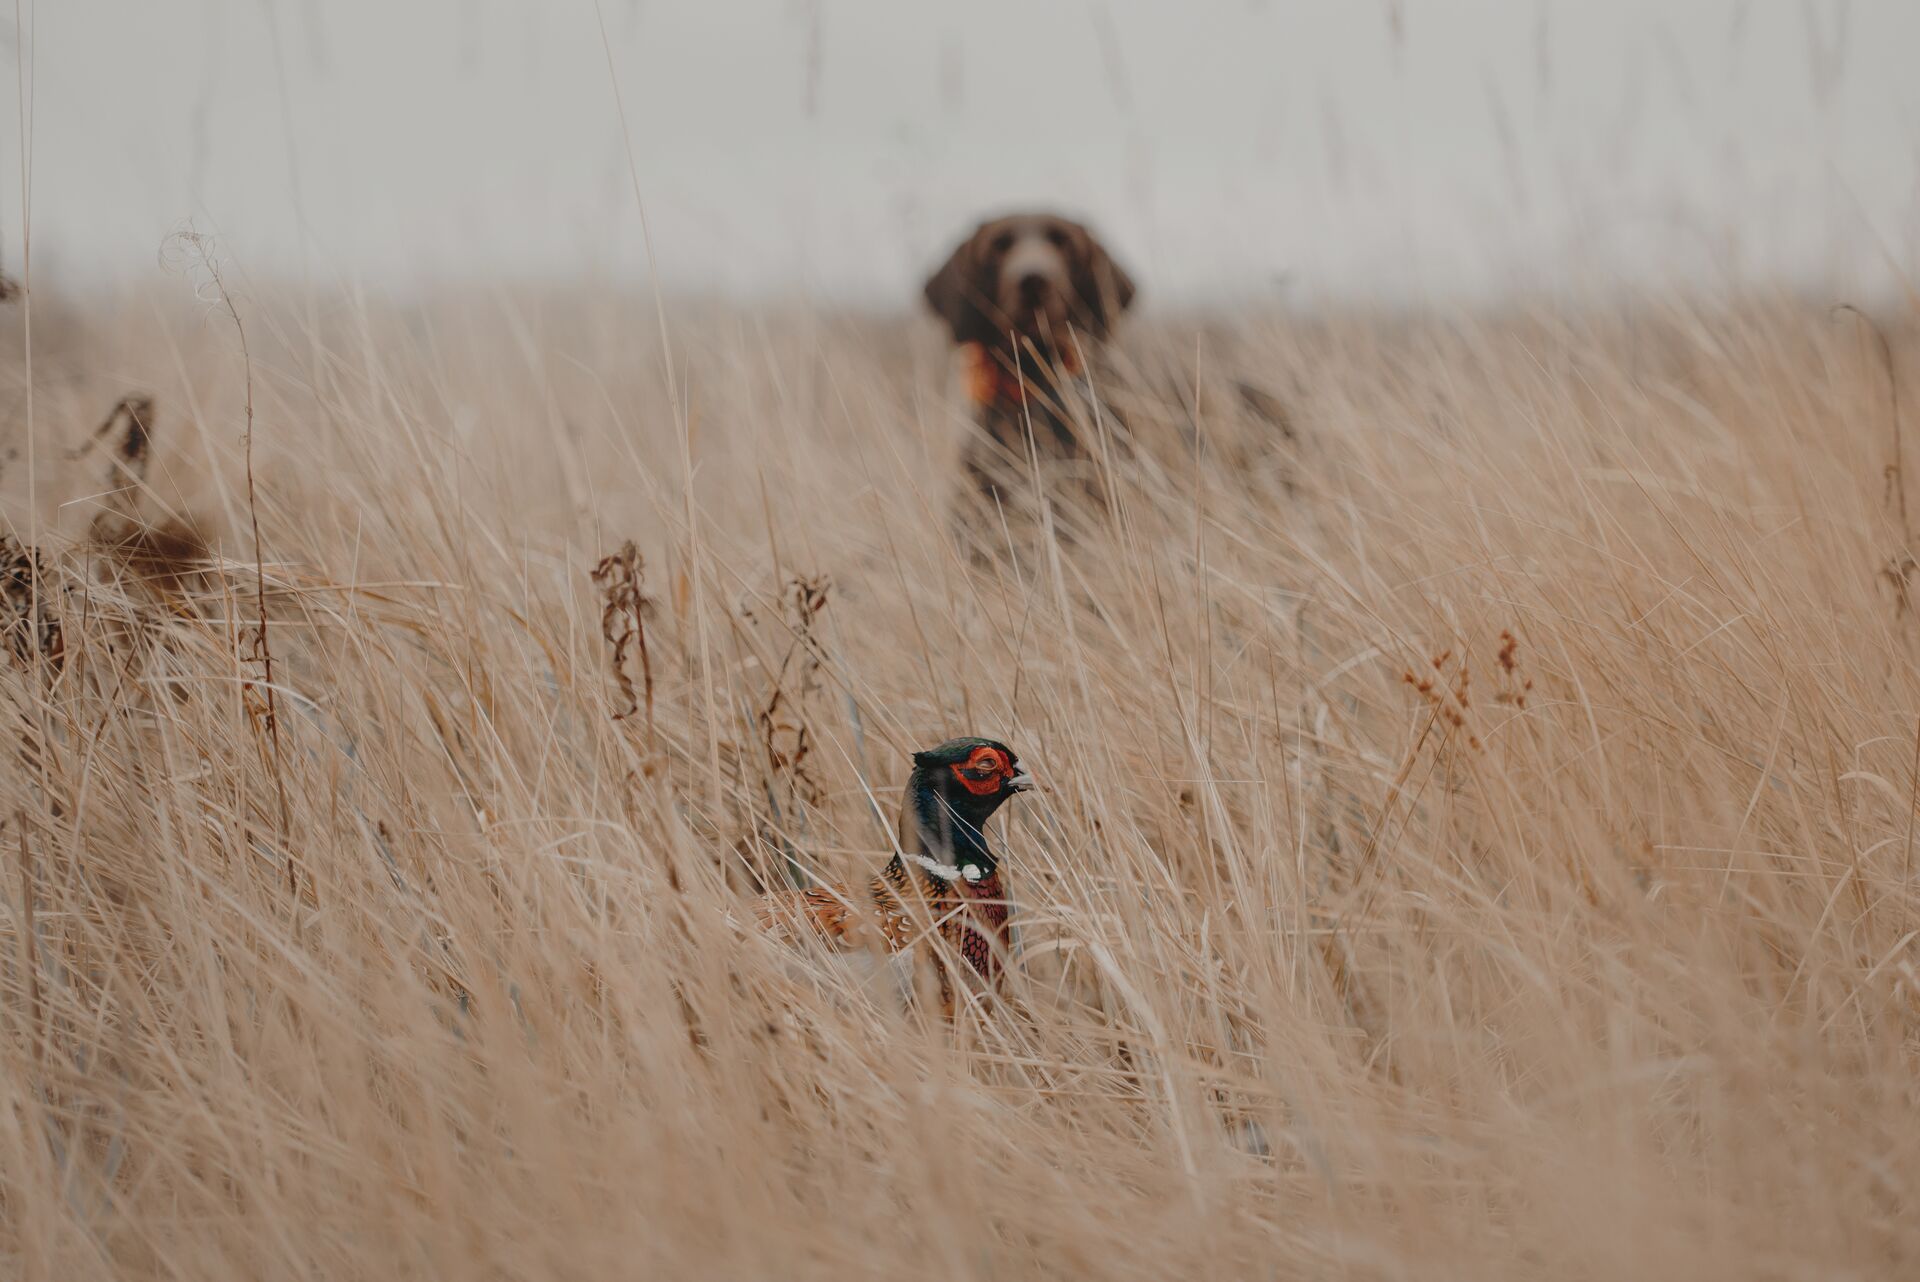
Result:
<point x="1033" y="287"/>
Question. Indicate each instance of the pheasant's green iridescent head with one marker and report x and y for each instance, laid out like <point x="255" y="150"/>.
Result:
<point x="971" y="776"/>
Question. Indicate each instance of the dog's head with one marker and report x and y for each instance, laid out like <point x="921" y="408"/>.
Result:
<point x="1034" y="275"/>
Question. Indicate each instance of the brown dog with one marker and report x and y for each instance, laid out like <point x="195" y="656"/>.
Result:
<point x="1028" y="298"/>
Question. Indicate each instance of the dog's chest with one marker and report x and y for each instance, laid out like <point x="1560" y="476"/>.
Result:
<point x="1054" y="426"/>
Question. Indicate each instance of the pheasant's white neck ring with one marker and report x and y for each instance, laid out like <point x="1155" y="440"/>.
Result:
<point x="947" y="872"/>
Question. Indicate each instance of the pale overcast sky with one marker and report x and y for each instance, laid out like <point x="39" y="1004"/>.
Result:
<point x="833" y="148"/>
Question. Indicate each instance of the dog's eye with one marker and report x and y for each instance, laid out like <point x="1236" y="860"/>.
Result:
<point x="1057" y="237"/>
<point x="1002" y="243"/>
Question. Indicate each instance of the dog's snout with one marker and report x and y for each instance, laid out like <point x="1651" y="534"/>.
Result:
<point x="1032" y="267"/>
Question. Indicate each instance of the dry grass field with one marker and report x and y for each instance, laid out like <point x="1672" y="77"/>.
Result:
<point x="1478" y="836"/>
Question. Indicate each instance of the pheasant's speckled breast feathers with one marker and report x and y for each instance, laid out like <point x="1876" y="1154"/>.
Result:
<point x="944" y="877"/>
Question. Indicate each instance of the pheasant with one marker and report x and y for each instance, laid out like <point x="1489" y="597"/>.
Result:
<point x="943" y="876"/>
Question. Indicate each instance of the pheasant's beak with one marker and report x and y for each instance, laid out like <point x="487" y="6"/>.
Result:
<point x="1022" y="782"/>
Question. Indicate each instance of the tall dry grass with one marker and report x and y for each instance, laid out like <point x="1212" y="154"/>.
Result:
<point x="1478" y="838"/>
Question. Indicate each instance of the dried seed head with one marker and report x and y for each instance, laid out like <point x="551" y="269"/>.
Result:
<point x="624" y="610"/>
<point x="27" y="616"/>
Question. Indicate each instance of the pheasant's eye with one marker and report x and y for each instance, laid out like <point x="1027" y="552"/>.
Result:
<point x="985" y="761"/>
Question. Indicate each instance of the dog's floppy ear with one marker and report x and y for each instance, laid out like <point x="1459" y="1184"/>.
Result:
<point x="1103" y="285"/>
<point x="955" y="293"/>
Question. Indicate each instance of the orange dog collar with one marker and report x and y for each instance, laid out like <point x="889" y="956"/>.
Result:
<point x="992" y="381"/>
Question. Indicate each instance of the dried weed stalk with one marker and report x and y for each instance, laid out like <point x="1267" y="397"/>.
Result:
<point x="133" y="417"/>
<point x="784" y="732"/>
<point x="197" y="250"/>
<point x="624" y="609"/>
<point x="27" y="619"/>
<point x="1898" y="569"/>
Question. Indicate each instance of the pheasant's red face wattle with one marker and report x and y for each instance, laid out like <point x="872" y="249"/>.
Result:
<point x="983" y="771"/>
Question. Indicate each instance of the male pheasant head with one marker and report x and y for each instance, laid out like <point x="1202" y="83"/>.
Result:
<point x="953" y="790"/>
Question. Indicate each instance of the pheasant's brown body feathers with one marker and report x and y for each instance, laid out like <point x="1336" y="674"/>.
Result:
<point x="944" y="881"/>
<point x="899" y="910"/>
